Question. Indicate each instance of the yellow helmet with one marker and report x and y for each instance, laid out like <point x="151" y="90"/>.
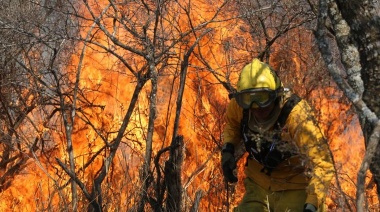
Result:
<point x="258" y="75"/>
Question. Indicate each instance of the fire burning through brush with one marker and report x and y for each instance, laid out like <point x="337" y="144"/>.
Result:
<point x="132" y="53"/>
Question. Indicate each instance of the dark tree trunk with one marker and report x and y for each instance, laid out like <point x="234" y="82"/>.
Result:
<point x="173" y="169"/>
<point x="364" y="21"/>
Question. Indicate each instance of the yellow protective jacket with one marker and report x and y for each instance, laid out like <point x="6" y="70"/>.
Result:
<point x="312" y="169"/>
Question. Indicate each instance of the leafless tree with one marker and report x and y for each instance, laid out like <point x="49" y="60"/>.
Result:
<point x="32" y="49"/>
<point x="147" y="40"/>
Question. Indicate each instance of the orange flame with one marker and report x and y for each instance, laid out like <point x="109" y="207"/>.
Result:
<point x="108" y="86"/>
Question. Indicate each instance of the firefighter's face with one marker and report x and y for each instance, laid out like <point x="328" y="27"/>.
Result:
<point x="263" y="113"/>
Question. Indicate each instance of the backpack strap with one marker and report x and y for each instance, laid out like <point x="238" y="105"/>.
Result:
<point x="287" y="108"/>
<point x="244" y="128"/>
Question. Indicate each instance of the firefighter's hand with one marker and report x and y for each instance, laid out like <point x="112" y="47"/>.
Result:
<point x="228" y="163"/>
<point x="309" y="208"/>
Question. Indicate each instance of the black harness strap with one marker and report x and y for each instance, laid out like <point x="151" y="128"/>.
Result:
<point x="287" y="108"/>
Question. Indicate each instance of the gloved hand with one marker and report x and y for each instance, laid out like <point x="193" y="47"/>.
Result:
<point x="229" y="163"/>
<point x="309" y="208"/>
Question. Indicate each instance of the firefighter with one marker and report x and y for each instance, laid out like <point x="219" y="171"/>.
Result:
<point x="289" y="165"/>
